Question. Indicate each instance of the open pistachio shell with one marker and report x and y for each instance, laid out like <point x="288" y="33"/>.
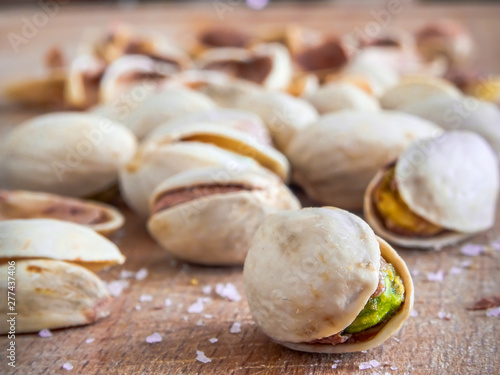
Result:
<point x="18" y="204"/>
<point x="52" y="294"/>
<point x="303" y="85"/>
<point x="463" y="113"/>
<point x="268" y="65"/>
<point x="209" y="215"/>
<point x="310" y="272"/>
<point x="334" y="159"/>
<point x="336" y="96"/>
<point x="155" y="161"/>
<point x="451" y="181"/>
<point x="58" y="240"/>
<point x="246" y="121"/>
<point x="156" y="108"/>
<point x="413" y="89"/>
<point x="73" y="154"/>
<point x="284" y="114"/>
<point x="82" y="84"/>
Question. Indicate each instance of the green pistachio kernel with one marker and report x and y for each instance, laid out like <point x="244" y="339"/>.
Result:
<point x="380" y="309"/>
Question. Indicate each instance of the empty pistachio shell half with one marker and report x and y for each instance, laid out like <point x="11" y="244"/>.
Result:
<point x="155" y="108"/>
<point x="463" y="113"/>
<point x="73" y="154"/>
<point x="18" y="204"/>
<point x="416" y="88"/>
<point x="334" y="159"/>
<point x="209" y="215"/>
<point x="58" y="240"/>
<point x="283" y="114"/>
<point x="336" y="96"/>
<point x="319" y="280"/>
<point x="246" y="121"/>
<point x="52" y="294"/>
<point x="440" y="191"/>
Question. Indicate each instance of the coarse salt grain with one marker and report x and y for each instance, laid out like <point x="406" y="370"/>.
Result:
<point x="200" y="323"/>
<point x="494" y="312"/>
<point x="495" y="244"/>
<point x="444" y="315"/>
<point x="413" y="313"/>
<point x="196" y="307"/>
<point x="235" y="328"/>
<point x="155" y="337"/>
<point x="45" y="333"/>
<point x="394" y="368"/>
<point x="213" y="340"/>
<point x="334" y="365"/>
<point x="145" y="298"/>
<point x="374" y="363"/>
<point x="396" y="339"/>
<point x="228" y="291"/>
<point x="455" y="271"/>
<point x="124" y="274"/>
<point x="138" y="307"/>
<point x="141" y="274"/>
<point x="200" y="356"/>
<point x="67" y="366"/>
<point x="365" y="365"/>
<point x="207" y="289"/>
<point x="208" y="316"/>
<point x="466" y="263"/>
<point x="168" y="302"/>
<point x="116" y="287"/>
<point x="435" y="276"/>
<point x="472" y="250"/>
<point x="90" y="340"/>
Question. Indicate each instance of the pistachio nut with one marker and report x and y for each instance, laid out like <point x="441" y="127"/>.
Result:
<point x="19" y="204"/>
<point x="67" y="153"/>
<point x="38" y="92"/>
<point x="319" y="280"/>
<point x="334" y="159"/>
<point x="209" y="215"/>
<point x="57" y="240"/>
<point x="440" y="191"/>
<point x="52" y="294"/>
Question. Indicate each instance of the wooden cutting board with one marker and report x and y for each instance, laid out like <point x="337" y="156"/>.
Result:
<point x="442" y="338"/>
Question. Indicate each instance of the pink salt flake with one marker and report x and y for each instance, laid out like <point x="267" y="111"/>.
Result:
<point x="67" y="367"/>
<point x="374" y="363"/>
<point x="196" y="307"/>
<point x="45" y="333"/>
<point x="235" y="328"/>
<point x="141" y="274"/>
<point x="90" y="340"/>
<point x="472" y="250"/>
<point x="155" y="337"/>
<point x="200" y="356"/>
<point x="494" y="312"/>
<point x="213" y="340"/>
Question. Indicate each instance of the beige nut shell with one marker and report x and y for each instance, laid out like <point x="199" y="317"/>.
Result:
<point x="334" y="159"/>
<point x="217" y="229"/>
<point x="310" y="272"/>
<point x="19" y="204"/>
<point x="53" y="294"/>
<point x="58" y="240"/>
<point x="65" y="153"/>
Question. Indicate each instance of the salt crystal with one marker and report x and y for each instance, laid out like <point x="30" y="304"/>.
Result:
<point x="472" y="250"/>
<point x="200" y="323"/>
<point x="228" y="291"/>
<point x="435" y="276"/>
<point x="455" y="271"/>
<point x="213" y="340"/>
<point x="208" y="316"/>
<point x="207" y="289"/>
<point x="494" y="312"/>
<point x="365" y="365"/>
<point x="337" y="361"/>
<point x="45" y="333"/>
<point x="495" y="244"/>
<point x="116" y="287"/>
<point x="67" y="366"/>
<point x="334" y="366"/>
<point x="124" y="274"/>
<point x="235" y="328"/>
<point x="90" y="340"/>
<point x="200" y="356"/>
<point x="155" y="337"/>
<point x="466" y="263"/>
<point x="413" y="313"/>
<point x="138" y="307"/>
<point x="444" y="315"/>
<point x="394" y="368"/>
<point x="141" y="274"/>
<point x="145" y="298"/>
<point x="374" y="363"/>
<point x="364" y="351"/>
<point x="168" y="302"/>
<point x="196" y="307"/>
<point x="396" y="339"/>
<point x="415" y="272"/>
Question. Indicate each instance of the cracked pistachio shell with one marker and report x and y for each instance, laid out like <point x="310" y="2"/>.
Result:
<point x="412" y="89"/>
<point x="310" y="272"/>
<point x="334" y="159"/>
<point x="53" y="294"/>
<point x="463" y="113"/>
<point x="156" y="108"/>
<point x="451" y="181"/>
<point x="336" y="96"/>
<point x="19" y="204"/>
<point x="58" y="240"/>
<point x="217" y="229"/>
<point x="79" y="90"/>
<point x="67" y="153"/>
<point x="284" y="114"/>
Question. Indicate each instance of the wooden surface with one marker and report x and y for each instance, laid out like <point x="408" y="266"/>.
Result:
<point x="467" y="343"/>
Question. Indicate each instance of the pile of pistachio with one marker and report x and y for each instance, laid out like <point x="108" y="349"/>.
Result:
<point x="203" y="140"/>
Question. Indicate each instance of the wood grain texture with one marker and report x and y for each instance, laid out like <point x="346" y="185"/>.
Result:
<point x="467" y="343"/>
